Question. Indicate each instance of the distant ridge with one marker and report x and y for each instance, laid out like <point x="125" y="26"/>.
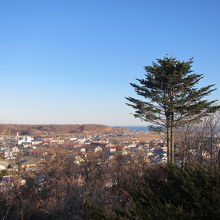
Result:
<point x="57" y="129"/>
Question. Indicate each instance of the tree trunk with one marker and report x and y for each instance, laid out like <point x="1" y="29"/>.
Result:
<point x="172" y="144"/>
<point x="211" y="145"/>
<point x="168" y="146"/>
<point x="218" y="158"/>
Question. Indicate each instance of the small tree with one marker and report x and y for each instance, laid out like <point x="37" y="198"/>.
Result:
<point x="171" y="98"/>
<point x="201" y="138"/>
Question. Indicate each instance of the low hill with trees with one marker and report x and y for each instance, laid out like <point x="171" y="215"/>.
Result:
<point x="57" y="129"/>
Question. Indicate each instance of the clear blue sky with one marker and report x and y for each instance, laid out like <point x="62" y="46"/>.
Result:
<point x="71" y="61"/>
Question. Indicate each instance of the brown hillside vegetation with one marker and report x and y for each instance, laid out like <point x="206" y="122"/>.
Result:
<point x="57" y="129"/>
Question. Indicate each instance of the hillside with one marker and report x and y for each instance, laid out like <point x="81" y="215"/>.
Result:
<point x="57" y="129"/>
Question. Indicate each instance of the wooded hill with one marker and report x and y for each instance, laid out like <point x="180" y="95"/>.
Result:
<point x="57" y="129"/>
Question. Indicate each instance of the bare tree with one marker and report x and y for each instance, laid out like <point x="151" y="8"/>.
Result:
<point x="199" y="142"/>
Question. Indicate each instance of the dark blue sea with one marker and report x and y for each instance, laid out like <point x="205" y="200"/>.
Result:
<point x="138" y="128"/>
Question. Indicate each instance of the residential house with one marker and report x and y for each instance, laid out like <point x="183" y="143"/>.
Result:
<point x="37" y="141"/>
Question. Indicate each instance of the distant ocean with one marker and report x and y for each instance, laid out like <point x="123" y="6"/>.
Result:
<point x="137" y="128"/>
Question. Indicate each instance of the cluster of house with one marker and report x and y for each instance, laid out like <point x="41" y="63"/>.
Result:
<point x="28" y="153"/>
<point x="154" y="152"/>
<point x="11" y="147"/>
<point x="27" y="150"/>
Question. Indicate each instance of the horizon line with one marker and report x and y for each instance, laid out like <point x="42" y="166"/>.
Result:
<point x="73" y="124"/>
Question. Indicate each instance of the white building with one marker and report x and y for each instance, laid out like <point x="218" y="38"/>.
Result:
<point x="25" y="139"/>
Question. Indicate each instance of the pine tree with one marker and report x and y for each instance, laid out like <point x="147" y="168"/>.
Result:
<point x="170" y="98"/>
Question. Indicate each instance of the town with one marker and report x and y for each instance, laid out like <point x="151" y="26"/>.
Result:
<point x="22" y="152"/>
<point x="25" y="153"/>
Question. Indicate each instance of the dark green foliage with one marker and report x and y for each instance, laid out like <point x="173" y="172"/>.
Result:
<point x="94" y="212"/>
<point x="157" y="129"/>
<point x="171" y="192"/>
<point x="169" y="87"/>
